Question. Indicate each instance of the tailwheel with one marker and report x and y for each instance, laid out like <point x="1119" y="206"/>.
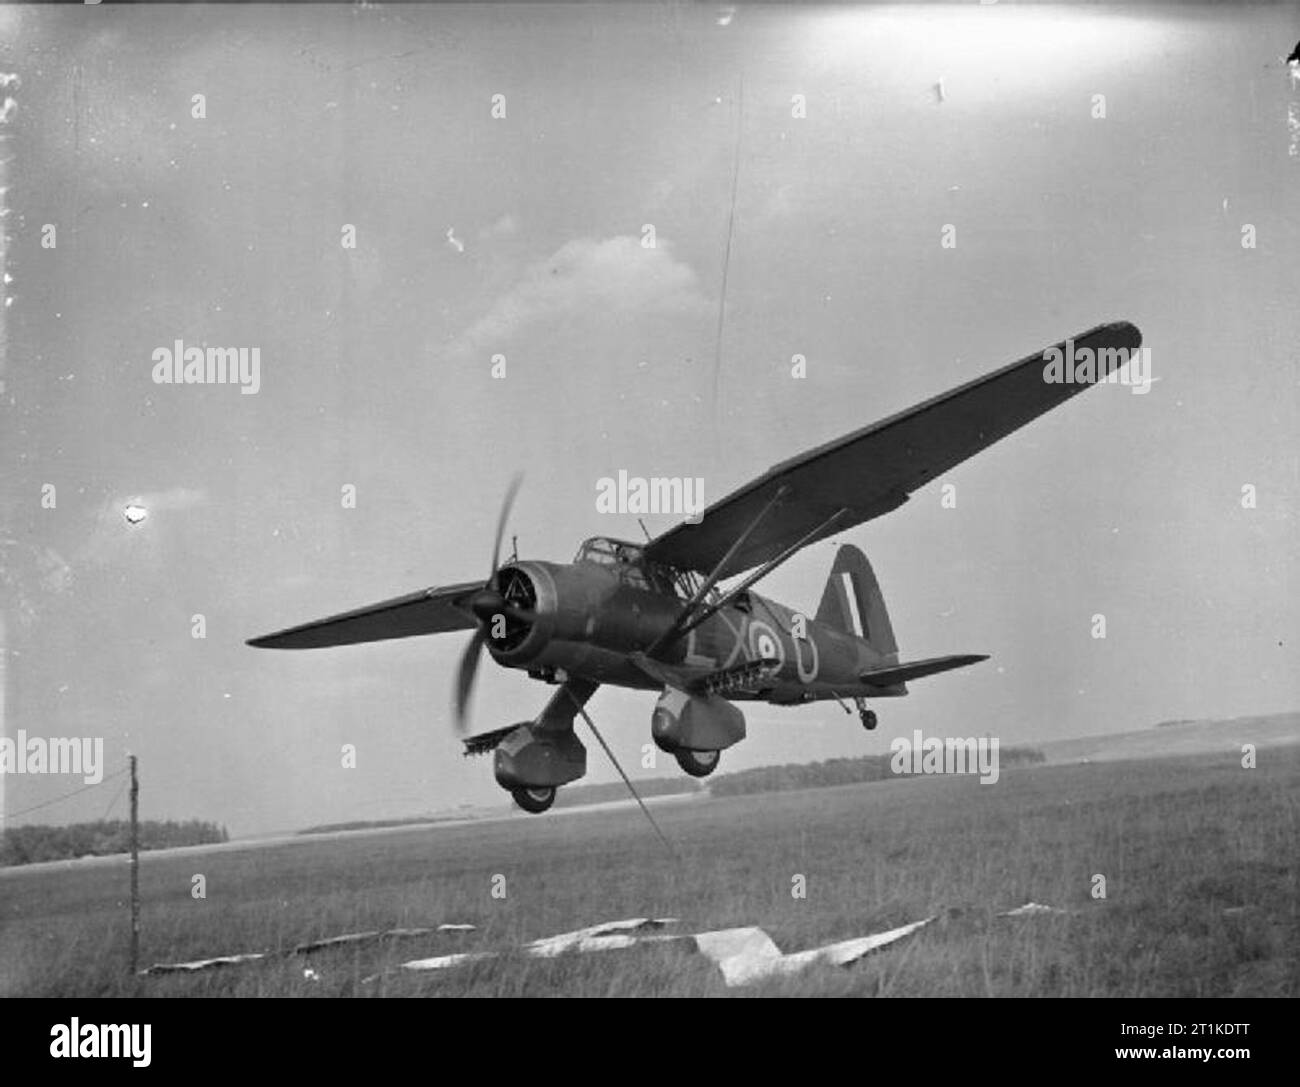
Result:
<point x="534" y="800"/>
<point x="868" y="719"/>
<point x="699" y="764"/>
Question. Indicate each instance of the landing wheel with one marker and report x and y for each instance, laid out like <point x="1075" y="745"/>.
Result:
<point x="534" y="801"/>
<point x="699" y="764"/>
<point x="868" y="719"/>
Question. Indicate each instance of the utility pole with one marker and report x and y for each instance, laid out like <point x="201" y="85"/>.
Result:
<point x="135" y="868"/>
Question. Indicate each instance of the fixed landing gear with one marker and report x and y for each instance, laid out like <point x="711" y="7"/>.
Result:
<point x="534" y="800"/>
<point x="699" y="764"/>
<point x="866" y="716"/>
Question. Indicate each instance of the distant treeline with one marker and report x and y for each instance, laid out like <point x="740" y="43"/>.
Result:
<point x="379" y="824"/>
<point x="30" y="844"/>
<point x="764" y="779"/>
<point x="775" y="779"/>
<point x="575" y="795"/>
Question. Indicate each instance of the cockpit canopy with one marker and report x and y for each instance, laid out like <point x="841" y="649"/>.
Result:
<point x="638" y="571"/>
<point x="608" y="552"/>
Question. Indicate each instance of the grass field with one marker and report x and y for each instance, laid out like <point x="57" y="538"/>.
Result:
<point x="1179" y="841"/>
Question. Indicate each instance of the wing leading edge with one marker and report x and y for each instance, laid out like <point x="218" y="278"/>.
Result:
<point x="873" y="470"/>
<point x="429" y="611"/>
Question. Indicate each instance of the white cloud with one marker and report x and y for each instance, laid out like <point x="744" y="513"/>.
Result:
<point x="454" y="241"/>
<point x="613" y="276"/>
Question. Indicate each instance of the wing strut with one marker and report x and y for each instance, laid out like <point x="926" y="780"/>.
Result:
<point x="673" y="632"/>
<point x="685" y="623"/>
<point x="761" y="572"/>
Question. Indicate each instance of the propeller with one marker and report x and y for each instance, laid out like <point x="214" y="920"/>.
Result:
<point x="486" y="604"/>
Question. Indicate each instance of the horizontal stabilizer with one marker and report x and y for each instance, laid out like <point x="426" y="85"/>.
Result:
<point x="901" y="673"/>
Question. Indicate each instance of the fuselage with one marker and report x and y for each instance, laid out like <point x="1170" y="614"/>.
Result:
<point x="592" y="615"/>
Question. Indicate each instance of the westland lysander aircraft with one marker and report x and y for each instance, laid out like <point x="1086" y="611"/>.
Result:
<point x="653" y="615"/>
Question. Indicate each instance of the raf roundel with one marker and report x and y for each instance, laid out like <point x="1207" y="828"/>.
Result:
<point x="763" y="643"/>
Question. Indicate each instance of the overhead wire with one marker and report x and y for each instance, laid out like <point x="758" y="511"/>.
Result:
<point x="726" y="256"/>
<point x="65" y="796"/>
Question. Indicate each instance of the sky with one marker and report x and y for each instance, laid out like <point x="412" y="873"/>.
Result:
<point x="522" y="235"/>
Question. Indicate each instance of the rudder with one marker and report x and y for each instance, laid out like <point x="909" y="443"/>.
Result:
<point x="853" y="603"/>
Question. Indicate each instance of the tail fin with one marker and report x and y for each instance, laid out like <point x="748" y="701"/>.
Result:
<point x="852" y="602"/>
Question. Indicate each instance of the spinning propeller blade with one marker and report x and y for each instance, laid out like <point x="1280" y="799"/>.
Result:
<point x="486" y="604"/>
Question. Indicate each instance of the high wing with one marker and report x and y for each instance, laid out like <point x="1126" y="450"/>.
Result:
<point x="873" y="470"/>
<point x="430" y="611"/>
